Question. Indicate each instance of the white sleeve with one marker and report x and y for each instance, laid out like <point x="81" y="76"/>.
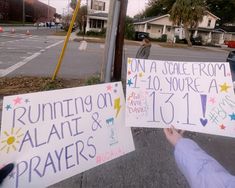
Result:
<point x="200" y="169"/>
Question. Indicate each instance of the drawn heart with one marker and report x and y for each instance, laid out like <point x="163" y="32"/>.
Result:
<point x="203" y="121"/>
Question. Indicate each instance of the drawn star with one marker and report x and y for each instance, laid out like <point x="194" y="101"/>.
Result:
<point x="222" y="127"/>
<point x="8" y="107"/>
<point x="129" y="61"/>
<point x="212" y="100"/>
<point x="17" y="100"/>
<point x="224" y="87"/>
<point x="129" y="72"/>
<point x="232" y="116"/>
<point x="140" y="74"/>
<point x="109" y="88"/>
<point x="26" y="101"/>
<point x="129" y="82"/>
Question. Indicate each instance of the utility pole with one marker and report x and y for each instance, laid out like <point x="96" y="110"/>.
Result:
<point x="117" y="74"/>
<point x="106" y="69"/>
<point x="107" y="39"/>
<point x="23" y="16"/>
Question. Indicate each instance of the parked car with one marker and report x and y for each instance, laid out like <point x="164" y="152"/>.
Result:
<point x="196" y="40"/>
<point x="40" y="24"/>
<point x="231" y="44"/>
<point x="141" y="35"/>
<point x="231" y="60"/>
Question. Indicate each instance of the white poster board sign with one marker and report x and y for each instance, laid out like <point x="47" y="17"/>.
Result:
<point x="54" y="135"/>
<point x="195" y="96"/>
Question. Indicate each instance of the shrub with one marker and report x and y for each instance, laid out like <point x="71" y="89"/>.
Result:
<point x="164" y="38"/>
<point x="93" y="80"/>
<point x="102" y="33"/>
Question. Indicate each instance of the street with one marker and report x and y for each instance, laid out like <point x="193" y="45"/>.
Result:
<point x="37" y="55"/>
<point x="152" y="164"/>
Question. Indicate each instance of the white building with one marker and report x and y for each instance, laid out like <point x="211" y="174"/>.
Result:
<point x="97" y="14"/>
<point x="157" y="26"/>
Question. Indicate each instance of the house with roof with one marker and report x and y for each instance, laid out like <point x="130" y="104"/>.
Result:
<point x="97" y="15"/>
<point x="160" y="25"/>
<point x="156" y="26"/>
<point x="206" y="29"/>
<point x="229" y="32"/>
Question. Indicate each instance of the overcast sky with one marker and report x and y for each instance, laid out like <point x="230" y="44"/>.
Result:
<point x="134" y="6"/>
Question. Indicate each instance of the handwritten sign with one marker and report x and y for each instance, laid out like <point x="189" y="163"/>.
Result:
<point x="54" y="135"/>
<point x="195" y="96"/>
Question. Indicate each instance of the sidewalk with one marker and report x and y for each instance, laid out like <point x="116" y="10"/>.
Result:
<point x="216" y="49"/>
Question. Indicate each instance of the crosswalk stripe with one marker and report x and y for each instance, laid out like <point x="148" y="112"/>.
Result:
<point x="83" y="46"/>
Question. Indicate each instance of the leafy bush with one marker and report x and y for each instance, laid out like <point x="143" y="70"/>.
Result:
<point x="129" y="28"/>
<point x="93" y="80"/>
<point x="102" y="33"/>
<point x="164" y="38"/>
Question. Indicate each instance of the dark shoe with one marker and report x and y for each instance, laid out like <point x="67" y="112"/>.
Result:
<point x="5" y="171"/>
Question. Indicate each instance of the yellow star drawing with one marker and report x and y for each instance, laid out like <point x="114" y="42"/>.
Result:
<point x="140" y="74"/>
<point x="129" y="60"/>
<point x="224" y="87"/>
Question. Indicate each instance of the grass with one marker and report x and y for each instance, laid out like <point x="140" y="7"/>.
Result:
<point x="93" y="80"/>
<point x="28" y="84"/>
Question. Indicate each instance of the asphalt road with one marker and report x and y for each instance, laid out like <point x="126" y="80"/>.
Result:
<point x="152" y="164"/>
<point x="37" y="55"/>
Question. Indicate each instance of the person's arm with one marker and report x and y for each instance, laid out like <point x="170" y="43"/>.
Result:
<point x="146" y="52"/>
<point x="200" y="169"/>
<point x="139" y="52"/>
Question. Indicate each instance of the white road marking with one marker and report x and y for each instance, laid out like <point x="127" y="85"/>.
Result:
<point x="24" y="61"/>
<point x="11" y="48"/>
<point x="19" y="64"/>
<point x="83" y="45"/>
<point x="54" y="44"/>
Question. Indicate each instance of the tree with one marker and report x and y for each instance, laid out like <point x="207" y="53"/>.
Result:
<point x="73" y="4"/>
<point x="81" y="18"/>
<point x="157" y="8"/>
<point x="187" y="13"/>
<point x="129" y="28"/>
<point x="224" y="9"/>
<point x="56" y="15"/>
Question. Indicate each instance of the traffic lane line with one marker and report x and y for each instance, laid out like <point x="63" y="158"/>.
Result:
<point x="23" y="62"/>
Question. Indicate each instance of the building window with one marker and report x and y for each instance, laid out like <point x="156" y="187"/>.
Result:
<point x="209" y="23"/>
<point x="168" y="29"/>
<point x="148" y="26"/>
<point x="98" y="5"/>
<point x="98" y="24"/>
